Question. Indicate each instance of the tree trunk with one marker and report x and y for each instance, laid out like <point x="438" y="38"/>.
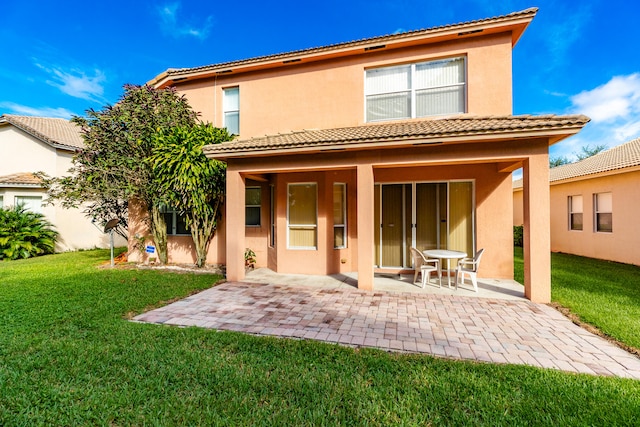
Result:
<point x="158" y="228"/>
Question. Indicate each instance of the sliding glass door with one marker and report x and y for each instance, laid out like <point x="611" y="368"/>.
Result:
<point x="424" y="215"/>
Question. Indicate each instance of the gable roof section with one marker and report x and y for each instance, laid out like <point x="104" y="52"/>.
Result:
<point x="59" y="133"/>
<point x="24" y="179"/>
<point x="401" y="133"/>
<point x="516" y="22"/>
<point x="623" y="156"/>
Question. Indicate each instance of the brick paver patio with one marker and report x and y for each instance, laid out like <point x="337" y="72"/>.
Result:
<point x="460" y="327"/>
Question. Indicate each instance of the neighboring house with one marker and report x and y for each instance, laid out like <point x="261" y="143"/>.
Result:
<point x="594" y="205"/>
<point x="42" y="144"/>
<point x="350" y="154"/>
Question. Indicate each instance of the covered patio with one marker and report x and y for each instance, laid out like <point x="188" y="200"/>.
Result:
<point x="325" y="197"/>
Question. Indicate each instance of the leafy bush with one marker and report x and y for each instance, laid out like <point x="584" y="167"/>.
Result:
<point x="518" y="235"/>
<point x="25" y="234"/>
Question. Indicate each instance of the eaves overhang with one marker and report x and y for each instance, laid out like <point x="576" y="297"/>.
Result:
<point x="514" y="23"/>
<point x="397" y="135"/>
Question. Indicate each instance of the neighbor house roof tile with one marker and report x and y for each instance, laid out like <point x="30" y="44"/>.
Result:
<point x="460" y="126"/>
<point x="20" y="179"/>
<point x="623" y="156"/>
<point x="60" y="133"/>
<point x="620" y="157"/>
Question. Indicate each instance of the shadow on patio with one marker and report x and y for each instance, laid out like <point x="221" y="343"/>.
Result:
<point x="487" y="288"/>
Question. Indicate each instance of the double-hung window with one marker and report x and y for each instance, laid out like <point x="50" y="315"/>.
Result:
<point x="231" y="107"/>
<point x="603" y="203"/>
<point x="30" y="203"/>
<point x="252" y="199"/>
<point x="575" y="212"/>
<point x="302" y="216"/>
<point x="339" y="215"/>
<point x="416" y="90"/>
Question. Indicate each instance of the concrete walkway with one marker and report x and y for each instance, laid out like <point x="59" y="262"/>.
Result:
<point x="455" y="326"/>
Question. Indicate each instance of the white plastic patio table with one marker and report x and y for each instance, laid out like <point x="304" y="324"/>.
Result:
<point x="445" y="254"/>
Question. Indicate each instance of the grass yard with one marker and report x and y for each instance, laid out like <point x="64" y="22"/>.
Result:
<point x="602" y="293"/>
<point x="68" y="356"/>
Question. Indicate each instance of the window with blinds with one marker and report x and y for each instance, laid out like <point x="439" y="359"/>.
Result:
<point x="231" y="106"/>
<point x="302" y="216"/>
<point x="416" y="90"/>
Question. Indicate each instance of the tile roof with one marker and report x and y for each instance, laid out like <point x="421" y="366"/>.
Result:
<point x="59" y="133"/>
<point x="527" y="13"/>
<point x="623" y="156"/>
<point x="20" y="179"/>
<point x="400" y="131"/>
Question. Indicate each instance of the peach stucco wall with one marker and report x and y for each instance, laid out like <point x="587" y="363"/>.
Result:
<point x="518" y="214"/>
<point x="330" y="93"/>
<point x="621" y="245"/>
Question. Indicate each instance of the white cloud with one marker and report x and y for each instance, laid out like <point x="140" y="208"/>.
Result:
<point x="614" y="109"/>
<point x="76" y="83"/>
<point x="619" y="98"/>
<point x="170" y="25"/>
<point x="40" y="112"/>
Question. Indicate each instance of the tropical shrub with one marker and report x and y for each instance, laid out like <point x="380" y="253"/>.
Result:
<point x="25" y="234"/>
<point x="518" y="235"/>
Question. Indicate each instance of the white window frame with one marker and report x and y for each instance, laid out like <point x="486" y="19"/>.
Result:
<point x="18" y="201"/>
<point x="344" y="215"/>
<point x="597" y="210"/>
<point x="226" y="108"/>
<point x="572" y="210"/>
<point x="174" y="221"/>
<point x="1" y="201"/>
<point x="412" y="90"/>
<point x="272" y="217"/>
<point x="254" y="206"/>
<point x="306" y="226"/>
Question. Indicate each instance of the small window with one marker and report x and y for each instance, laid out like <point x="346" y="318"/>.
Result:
<point x="231" y="106"/>
<point x="339" y="215"/>
<point x="252" y="206"/>
<point x="1" y="202"/>
<point x="603" y="203"/>
<point x="272" y="216"/>
<point x="176" y="225"/>
<point x="575" y="213"/>
<point x="30" y="203"/>
<point x="302" y="216"/>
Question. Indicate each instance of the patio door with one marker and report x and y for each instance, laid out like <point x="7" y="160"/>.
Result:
<point x="425" y="215"/>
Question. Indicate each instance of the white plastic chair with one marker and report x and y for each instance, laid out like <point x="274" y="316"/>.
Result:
<point x="470" y="267"/>
<point x="425" y="267"/>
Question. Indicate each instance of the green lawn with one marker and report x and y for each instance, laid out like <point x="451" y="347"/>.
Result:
<point x="68" y="356"/>
<point x="602" y="293"/>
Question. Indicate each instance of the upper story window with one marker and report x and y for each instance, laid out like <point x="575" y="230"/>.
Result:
<point x="575" y="212"/>
<point x="231" y="107"/>
<point x="603" y="203"/>
<point x="416" y="90"/>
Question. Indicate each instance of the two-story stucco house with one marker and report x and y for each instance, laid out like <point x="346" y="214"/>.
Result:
<point x="44" y="144"/>
<point x="348" y="155"/>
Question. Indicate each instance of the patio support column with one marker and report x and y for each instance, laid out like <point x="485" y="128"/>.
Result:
<point x="365" y="208"/>
<point x="234" y="218"/>
<point x="537" y="228"/>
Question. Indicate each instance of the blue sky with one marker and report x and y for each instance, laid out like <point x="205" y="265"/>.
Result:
<point x="62" y="58"/>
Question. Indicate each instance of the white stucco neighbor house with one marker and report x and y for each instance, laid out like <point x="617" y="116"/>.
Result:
<point x="33" y="144"/>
